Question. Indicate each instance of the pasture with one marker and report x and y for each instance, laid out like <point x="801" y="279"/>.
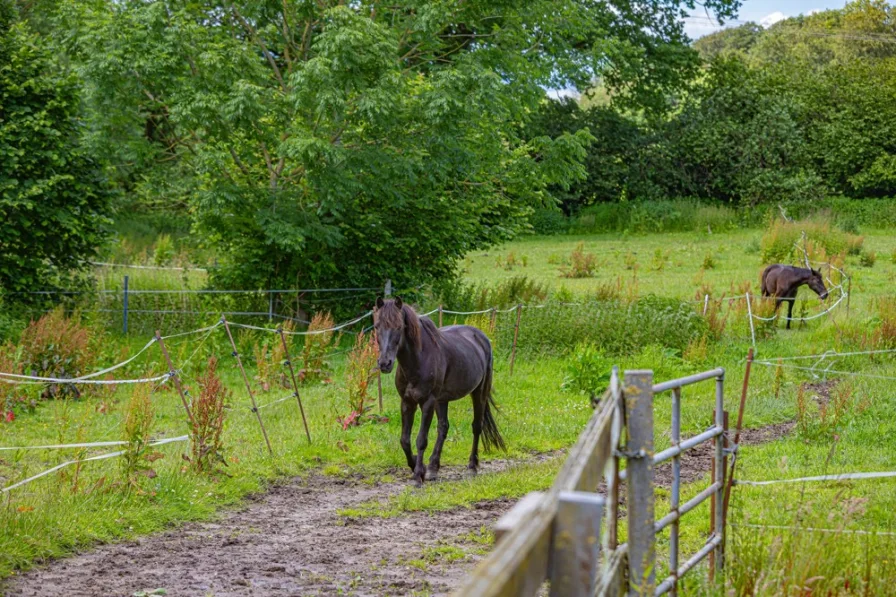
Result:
<point x="842" y="423"/>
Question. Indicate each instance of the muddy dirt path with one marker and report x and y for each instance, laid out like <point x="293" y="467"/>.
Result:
<point x="287" y="541"/>
<point x="292" y="541"/>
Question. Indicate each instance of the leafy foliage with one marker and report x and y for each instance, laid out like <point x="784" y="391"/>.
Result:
<point x="56" y="346"/>
<point x="136" y="427"/>
<point x="52" y="203"/>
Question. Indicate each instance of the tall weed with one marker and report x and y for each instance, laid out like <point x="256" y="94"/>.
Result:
<point x="360" y="371"/>
<point x="581" y="264"/>
<point x="206" y="432"/>
<point x="138" y="419"/>
<point x="317" y="346"/>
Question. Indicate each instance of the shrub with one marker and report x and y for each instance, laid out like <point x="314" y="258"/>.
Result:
<point x="581" y="264"/>
<point x="660" y="258"/>
<point x="618" y="327"/>
<point x="137" y="458"/>
<point x="587" y="370"/>
<point x="360" y="370"/>
<point x="779" y="243"/>
<point x="56" y="346"/>
<point x="8" y="364"/>
<point x="868" y="258"/>
<point x="317" y="345"/>
<point x="677" y="215"/>
<point x="487" y="323"/>
<point x="208" y="422"/>
<point x="548" y="221"/>
<point x="164" y="250"/>
<point x="885" y="334"/>
<point x="463" y="297"/>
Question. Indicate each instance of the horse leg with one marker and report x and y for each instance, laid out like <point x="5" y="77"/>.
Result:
<point x="479" y="401"/>
<point x="435" y="460"/>
<point x="408" y="412"/>
<point x="428" y="409"/>
<point x="791" y="300"/>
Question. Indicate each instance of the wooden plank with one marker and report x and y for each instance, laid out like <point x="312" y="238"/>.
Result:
<point x="612" y="582"/>
<point x="576" y="544"/>
<point x="638" y="392"/>
<point x="519" y="563"/>
<point x="518" y="515"/>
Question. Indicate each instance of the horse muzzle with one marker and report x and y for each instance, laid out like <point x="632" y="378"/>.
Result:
<point x="386" y="367"/>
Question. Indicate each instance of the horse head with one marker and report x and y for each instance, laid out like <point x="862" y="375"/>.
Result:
<point x="389" y="321"/>
<point x="816" y="283"/>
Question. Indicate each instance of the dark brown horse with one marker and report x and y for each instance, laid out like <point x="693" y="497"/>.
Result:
<point x="783" y="282"/>
<point x="435" y="366"/>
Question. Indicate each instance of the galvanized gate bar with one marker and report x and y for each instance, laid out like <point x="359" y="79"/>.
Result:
<point x="668" y="582"/>
<point x="689" y="505"/>
<point x="686" y="381"/>
<point x="676" y="488"/>
<point x="686" y="445"/>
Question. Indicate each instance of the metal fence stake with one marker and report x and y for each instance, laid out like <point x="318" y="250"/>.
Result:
<point x="676" y="488"/>
<point x="173" y="372"/>
<point x="719" y="477"/>
<point x="739" y="424"/>
<point x="125" y="301"/>
<point x="516" y="333"/>
<point x="576" y="544"/>
<point x="295" y="384"/>
<point x="750" y="315"/>
<point x="638" y="392"/>
<point x="239" y="362"/>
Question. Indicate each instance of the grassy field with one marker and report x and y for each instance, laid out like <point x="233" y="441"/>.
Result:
<point x="74" y="507"/>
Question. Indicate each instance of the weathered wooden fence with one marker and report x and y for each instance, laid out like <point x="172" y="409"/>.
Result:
<point x="557" y="535"/>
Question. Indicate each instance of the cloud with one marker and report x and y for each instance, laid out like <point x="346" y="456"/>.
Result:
<point x="769" y="20"/>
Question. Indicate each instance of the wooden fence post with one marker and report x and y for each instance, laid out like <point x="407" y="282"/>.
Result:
<point x="239" y="362"/>
<point x="576" y="544"/>
<point x="295" y="384"/>
<point x="173" y="373"/>
<point x="516" y="333"/>
<point x="638" y="393"/>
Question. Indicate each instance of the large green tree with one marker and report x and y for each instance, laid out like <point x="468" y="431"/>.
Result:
<point x="51" y="202"/>
<point x="336" y="143"/>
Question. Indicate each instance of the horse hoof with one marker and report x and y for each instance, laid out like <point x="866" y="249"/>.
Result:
<point x="472" y="471"/>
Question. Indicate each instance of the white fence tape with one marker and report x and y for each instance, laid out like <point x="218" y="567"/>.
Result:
<point x="799" y="529"/>
<point x="91" y="459"/>
<point x="841" y="477"/>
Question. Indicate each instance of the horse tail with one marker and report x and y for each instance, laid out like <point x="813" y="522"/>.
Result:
<point x="766" y="291"/>
<point x="491" y="437"/>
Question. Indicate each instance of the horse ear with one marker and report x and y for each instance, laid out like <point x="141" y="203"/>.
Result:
<point x="379" y="302"/>
<point x="398" y="302"/>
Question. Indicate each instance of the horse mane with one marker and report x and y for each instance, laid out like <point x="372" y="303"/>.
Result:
<point x="414" y="325"/>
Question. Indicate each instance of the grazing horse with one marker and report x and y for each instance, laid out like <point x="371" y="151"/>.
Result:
<point x="435" y="366"/>
<point x="783" y="281"/>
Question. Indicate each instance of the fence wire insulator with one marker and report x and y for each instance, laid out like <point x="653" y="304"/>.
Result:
<point x="234" y="354"/>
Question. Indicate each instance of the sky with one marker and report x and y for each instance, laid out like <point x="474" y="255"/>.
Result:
<point x="764" y="12"/>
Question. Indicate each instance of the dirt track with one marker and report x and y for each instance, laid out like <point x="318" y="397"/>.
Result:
<point x="288" y="541"/>
<point x="291" y="541"/>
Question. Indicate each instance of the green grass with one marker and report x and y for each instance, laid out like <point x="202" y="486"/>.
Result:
<point x="53" y="516"/>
